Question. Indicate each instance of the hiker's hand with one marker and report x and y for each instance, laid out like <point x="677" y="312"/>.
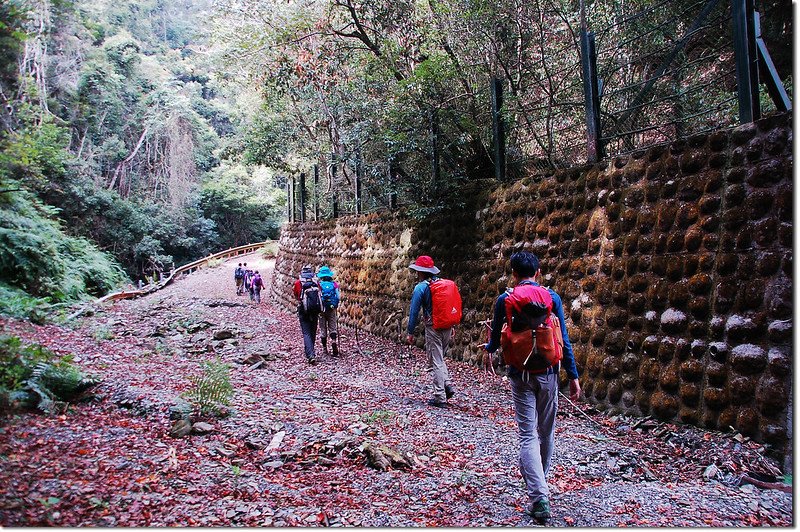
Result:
<point x="574" y="389"/>
<point x="410" y="339"/>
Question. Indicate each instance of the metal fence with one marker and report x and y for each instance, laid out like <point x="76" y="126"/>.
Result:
<point x="609" y="80"/>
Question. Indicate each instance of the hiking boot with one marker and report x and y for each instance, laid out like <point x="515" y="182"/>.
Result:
<point x="449" y="391"/>
<point x="539" y="510"/>
<point x="437" y="403"/>
<point x="312" y="361"/>
<point x="325" y="348"/>
<point x="335" y="348"/>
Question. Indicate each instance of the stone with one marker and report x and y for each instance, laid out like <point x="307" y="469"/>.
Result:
<point x="673" y="321"/>
<point x="180" y="428"/>
<point x="742" y="389"/>
<point x="649" y="374"/>
<point x="669" y="379"/>
<point x="717" y="374"/>
<point x="223" y="334"/>
<point x="742" y="134"/>
<point x="202" y="427"/>
<point x="748" y="359"/>
<point x="740" y="328"/>
<point x="691" y="370"/>
<point x="780" y="361"/>
<point x="689" y="394"/>
<point x="772" y="395"/>
<point x="716" y="398"/>
<point x="664" y="406"/>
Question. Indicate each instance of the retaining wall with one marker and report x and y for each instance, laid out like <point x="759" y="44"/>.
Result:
<point x="674" y="264"/>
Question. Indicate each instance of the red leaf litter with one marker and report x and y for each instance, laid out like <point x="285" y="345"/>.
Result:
<point x="110" y="461"/>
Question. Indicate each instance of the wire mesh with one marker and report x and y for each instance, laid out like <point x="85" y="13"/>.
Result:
<point x="666" y="72"/>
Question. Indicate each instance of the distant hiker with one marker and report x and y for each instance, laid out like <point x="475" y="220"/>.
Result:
<point x="534" y="319"/>
<point x="441" y="310"/>
<point x="248" y="274"/>
<point x="256" y="285"/>
<point x="307" y="293"/>
<point x="329" y="289"/>
<point x="238" y="276"/>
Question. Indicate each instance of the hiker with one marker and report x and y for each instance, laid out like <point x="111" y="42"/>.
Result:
<point x="238" y="276"/>
<point x="535" y="390"/>
<point x="256" y="285"/>
<point x="329" y="290"/>
<point x="440" y="318"/>
<point x="248" y="273"/>
<point x="307" y="293"/>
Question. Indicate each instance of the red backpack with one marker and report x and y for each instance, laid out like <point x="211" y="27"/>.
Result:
<point x="531" y="337"/>
<point x="446" y="303"/>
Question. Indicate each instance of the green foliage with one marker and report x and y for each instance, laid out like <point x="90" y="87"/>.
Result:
<point x="211" y="390"/>
<point x="32" y="375"/>
<point x="240" y="213"/>
<point x="37" y="256"/>
<point x="19" y="304"/>
<point x="269" y="250"/>
<point x="378" y="416"/>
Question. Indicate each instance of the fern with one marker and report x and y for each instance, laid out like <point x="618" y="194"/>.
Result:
<point x="211" y="390"/>
<point x="31" y="375"/>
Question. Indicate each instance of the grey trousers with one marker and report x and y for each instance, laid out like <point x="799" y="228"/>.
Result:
<point x="436" y="346"/>
<point x="535" y="406"/>
<point x="308" y="324"/>
<point x="327" y="324"/>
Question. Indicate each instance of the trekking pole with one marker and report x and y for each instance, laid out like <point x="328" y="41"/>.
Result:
<point x="584" y="414"/>
<point x="488" y="324"/>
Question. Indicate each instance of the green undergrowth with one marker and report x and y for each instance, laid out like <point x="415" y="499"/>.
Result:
<point x="42" y="265"/>
<point x="32" y="376"/>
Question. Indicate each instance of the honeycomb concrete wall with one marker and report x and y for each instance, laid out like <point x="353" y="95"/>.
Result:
<point x="674" y="264"/>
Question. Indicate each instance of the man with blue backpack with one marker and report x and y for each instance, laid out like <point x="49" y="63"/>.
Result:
<point x="329" y="290"/>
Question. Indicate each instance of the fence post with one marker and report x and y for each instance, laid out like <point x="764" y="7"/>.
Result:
<point x="294" y="199"/>
<point x="392" y="187"/>
<point x="316" y="192"/>
<point x="288" y="200"/>
<point x="333" y="186"/>
<point x="744" y="46"/>
<point x="498" y="129"/>
<point x="435" y="148"/>
<point x="591" y="93"/>
<point x="359" y="171"/>
<point x="302" y="196"/>
<point x="772" y="80"/>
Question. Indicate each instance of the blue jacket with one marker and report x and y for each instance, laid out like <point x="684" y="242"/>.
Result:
<point x="420" y="298"/>
<point x="499" y="318"/>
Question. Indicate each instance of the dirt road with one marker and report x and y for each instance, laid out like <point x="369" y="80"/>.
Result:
<point x="292" y="450"/>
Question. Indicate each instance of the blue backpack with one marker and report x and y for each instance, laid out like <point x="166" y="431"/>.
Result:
<point x="329" y="296"/>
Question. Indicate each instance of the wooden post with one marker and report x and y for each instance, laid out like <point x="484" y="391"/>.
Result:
<point x="591" y="93"/>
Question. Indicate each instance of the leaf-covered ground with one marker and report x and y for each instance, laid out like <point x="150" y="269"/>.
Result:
<point x="291" y="452"/>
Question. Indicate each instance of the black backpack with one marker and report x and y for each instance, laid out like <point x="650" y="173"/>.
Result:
<point x="310" y="297"/>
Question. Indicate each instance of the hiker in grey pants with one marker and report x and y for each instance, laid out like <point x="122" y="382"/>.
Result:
<point x="308" y="320"/>
<point x="436" y="341"/>
<point x="535" y="395"/>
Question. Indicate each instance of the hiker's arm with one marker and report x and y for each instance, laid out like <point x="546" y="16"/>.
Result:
<point x="416" y="303"/>
<point x="568" y="361"/>
<point x="498" y="319"/>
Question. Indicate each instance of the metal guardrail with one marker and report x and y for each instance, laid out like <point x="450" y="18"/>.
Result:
<point x="186" y="268"/>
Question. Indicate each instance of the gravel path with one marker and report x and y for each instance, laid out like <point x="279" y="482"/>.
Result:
<point x="111" y="462"/>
